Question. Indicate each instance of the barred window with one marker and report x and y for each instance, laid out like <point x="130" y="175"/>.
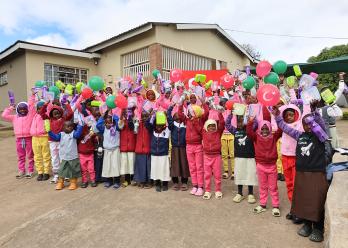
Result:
<point x="136" y="61"/>
<point x="68" y="75"/>
<point x="3" y="78"/>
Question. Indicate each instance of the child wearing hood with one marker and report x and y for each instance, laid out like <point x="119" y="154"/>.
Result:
<point x="265" y="144"/>
<point x="21" y="125"/>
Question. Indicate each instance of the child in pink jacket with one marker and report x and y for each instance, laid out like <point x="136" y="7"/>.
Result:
<point x="21" y="125"/>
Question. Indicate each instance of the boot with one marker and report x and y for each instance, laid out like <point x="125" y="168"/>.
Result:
<point x="73" y="183"/>
<point x="60" y="184"/>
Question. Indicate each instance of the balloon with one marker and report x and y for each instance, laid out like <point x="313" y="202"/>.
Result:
<point x="249" y="83"/>
<point x="263" y="68"/>
<point x="297" y="70"/>
<point x="227" y="81"/>
<point x="280" y="67"/>
<point x="155" y="73"/>
<point x="313" y="75"/>
<point x="110" y="101"/>
<point x="121" y="101"/>
<point x="96" y="83"/>
<point x="272" y="78"/>
<point x="55" y="91"/>
<point x="175" y="75"/>
<point x="87" y="93"/>
<point x="229" y="105"/>
<point x="79" y="87"/>
<point x="60" y="85"/>
<point x="40" y="84"/>
<point x="129" y="79"/>
<point x="268" y="95"/>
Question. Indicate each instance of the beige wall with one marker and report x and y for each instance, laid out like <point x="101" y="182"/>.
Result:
<point x="202" y="42"/>
<point x="16" y="73"/>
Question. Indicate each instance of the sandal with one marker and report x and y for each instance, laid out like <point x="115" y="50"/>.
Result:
<point x="316" y="236"/>
<point x="207" y="195"/>
<point x="238" y="198"/>
<point x="276" y="212"/>
<point x="225" y="175"/>
<point x="259" y="209"/>
<point x="184" y="187"/>
<point x="218" y="195"/>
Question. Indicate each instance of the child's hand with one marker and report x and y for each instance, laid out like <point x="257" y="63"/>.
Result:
<point x="341" y="75"/>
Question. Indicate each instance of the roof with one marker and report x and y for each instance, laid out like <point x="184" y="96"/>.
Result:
<point x="45" y="48"/>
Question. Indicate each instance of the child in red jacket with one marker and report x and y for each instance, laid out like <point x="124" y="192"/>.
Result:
<point x="266" y="156"/>
<point x="212" y="133"/>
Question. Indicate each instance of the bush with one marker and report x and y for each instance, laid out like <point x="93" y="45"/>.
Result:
<point x="345" y="116"/>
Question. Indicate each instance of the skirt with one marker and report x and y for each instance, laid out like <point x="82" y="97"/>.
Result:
<point x="142" y="168"/>
<point x="334" y="139"/>
<point x="70" y="169"/>
<point x="111" y="163"/>
<point x="245" y="171"/>
<point x="160" y="168"/>
<point x="127" y="163"/>
<point x="179" y="165"/>
<point x="308" y="201"/>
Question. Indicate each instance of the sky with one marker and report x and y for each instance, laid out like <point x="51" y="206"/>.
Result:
<point x="81" y="23"/>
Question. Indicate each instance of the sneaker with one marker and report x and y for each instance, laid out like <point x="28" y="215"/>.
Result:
<point x="289" y="216"/>
<point x="54" y="179"/>
<point x="84" y="185"/>
<point x="125" y="184"/>
<point x="165" y="188"/>
<point x="199" y="192"/>
<point x="39" y="177"/>
<point x="278" y="177"/>
<point x="175" y="187"/>
<point x="282" y="178"/>
<point x="107" y="184"/>
<point x="238" y="198"/>
<point x="45" y="177"/>
<point x="316" y="236"/>
<point x="251" y="199"/>
<point x="20" y="175"/>
<point x="116" y="186"/>
<point x="158" y="188"/>
<point x="94" y="184"/>
<point x="276" y="212"/>
<point x="193" y="191"/>
<point x="29" y="175"/>
<point x="296" y="220"/>
<point x="305" y="230"/>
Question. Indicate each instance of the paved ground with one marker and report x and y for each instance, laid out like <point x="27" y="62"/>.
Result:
<point x="33" y="214"/>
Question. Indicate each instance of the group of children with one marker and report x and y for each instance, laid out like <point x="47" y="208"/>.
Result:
<point x="170" y="133"/>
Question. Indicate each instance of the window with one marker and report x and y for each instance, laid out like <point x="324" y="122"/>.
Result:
<point x="3" y="78"/>
<point x="68" y="75"/>
<point x="137" y="61"/>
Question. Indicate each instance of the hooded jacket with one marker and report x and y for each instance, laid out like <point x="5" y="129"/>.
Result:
<point x="21" y="124"/>
<point x="178" y="130"/>
<point x="212" y="140"/>
<point x="143" y="139"/>
<point x="127" y="137"/>
<point x="86" y="143"/>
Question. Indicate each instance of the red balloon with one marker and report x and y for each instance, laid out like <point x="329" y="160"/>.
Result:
<point x="263" y="68"/>
<point x="128" y="79"/>
<point x="175" y="75"/>
<point x="229" y="105"/>
<point x="227" y="81"/>
<point x="121" y="101"/>
<point x="268" y="95"/>
<point x="87" y="93"/>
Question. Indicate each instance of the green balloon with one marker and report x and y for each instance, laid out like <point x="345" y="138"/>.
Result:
<point x="155" y="73"/>
<point x="280" y="67"/>
<point x="96" y="83"/>
<point x="40" y="84"/>
<point x="55" y="90"/>
<point x="272" y="78"/>
<point x="249" y="83"/>
<point x="110" y="101"/>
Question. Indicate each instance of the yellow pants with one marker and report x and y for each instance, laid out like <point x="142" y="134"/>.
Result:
<point x="279" y="161"/>
<point x="227" y="151"/>
<point x="42" y="156"/>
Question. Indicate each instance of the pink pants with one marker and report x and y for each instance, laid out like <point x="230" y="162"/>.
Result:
<point x="212" y="166"/>
<point x="87" y="167"/>
<point x="195" y="159"/>
<point x="24" y="149"/>
<point x="267" y="175"/>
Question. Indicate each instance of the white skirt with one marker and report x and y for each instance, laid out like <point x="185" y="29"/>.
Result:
<point x="334" y="139"/>
<point x="160" y="168"/>
<point x="111" y="163"/>
<point x="127" y="163"/>
<point x="245" y="171"/>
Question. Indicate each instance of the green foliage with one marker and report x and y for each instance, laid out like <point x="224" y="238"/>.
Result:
<point x="329" y="79"/>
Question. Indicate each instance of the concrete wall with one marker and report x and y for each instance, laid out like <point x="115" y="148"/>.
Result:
<point x="16" y="73"/>
<point x="202" y="42"/>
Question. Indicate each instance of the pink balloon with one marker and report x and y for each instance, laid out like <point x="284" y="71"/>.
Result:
<point x="121" y="101"/>
<point x="263" y="68"/>
<point x="268" y="95"/>
<point x="227" y="81"/>
<point x="175" y="75"/>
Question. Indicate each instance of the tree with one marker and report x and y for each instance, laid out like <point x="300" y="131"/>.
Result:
<point x="252" y="51"/>
<point x="329" y="79"/>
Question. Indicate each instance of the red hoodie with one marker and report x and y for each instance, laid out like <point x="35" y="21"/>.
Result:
<point x="86" y="146"/>
<point x="127" y="138"/>
<point x="265" y="147"/>
<point x="143" y="138"/>
<point x="212" y="140"/>
<point x="194" y="126"/>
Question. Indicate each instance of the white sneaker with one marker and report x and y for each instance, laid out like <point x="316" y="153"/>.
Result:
<point x="54" y="179"/>
<point x="251" y="199"/>
<point x="238" y="198"/>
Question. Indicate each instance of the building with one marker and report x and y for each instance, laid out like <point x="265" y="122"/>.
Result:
<point x="153" y="45"/>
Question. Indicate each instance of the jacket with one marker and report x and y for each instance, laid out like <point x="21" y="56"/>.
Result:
<point x="143" y="140"/>
<point x="212" y="140"/>
<point x="21" y="124"/>
<point x="159" y="141"/>
<point x="86" y="143"/>
<point x="38" y="126"/>
<point x="128" y="137"/>
<point x="178" y="130"/>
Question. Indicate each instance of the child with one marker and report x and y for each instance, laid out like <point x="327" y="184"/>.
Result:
<point x="211" y="155"/>
<point x="41" y="148"/>
<point x="227" y="150"/>
<point x="160" y="167"/>
<point x="70" y="163"/>
<point x="245" y="166"/>
<point x="57" y="116"/>
<point x="109" y="126"/>
<point x="310" y="182"/>
<point x="21" y="125"/>
<point x="179" y="164"/>
<point x="142" y="165"/>
<point x="265" y="144"/>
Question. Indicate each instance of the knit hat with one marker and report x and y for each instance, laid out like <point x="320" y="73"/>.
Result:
<point x="39" y="104"/>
